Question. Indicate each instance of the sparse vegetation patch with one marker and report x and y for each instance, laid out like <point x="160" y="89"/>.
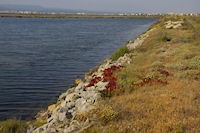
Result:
<point x="120" y="52"/>
<point x="13" y="126"/>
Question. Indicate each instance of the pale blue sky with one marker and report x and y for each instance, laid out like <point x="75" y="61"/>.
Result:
<point x="163" y="6"/>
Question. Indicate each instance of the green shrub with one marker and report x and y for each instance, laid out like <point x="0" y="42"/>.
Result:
<point x="13" y="126"/>
<point x="120" y="52"/>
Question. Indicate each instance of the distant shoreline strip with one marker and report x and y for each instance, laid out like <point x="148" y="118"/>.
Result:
<point x="19" y="15"/>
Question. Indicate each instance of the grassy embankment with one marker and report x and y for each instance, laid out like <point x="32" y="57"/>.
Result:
<point x="18" y="15"/>
<point x="160" y="90"/>
<point x="167" y="103"/>
<point x="17" y="126"/>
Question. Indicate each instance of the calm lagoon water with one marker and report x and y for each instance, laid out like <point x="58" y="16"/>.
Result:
<point x="41" y="57"/>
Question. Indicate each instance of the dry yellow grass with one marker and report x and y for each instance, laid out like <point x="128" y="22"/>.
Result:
<point x="13" y="126"/>
<point x="155" y="107"/>
<point x="158" y="108"/>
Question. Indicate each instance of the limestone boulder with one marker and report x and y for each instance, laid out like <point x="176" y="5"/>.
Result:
<point x="80" y="86"/>
<point x="74" y="126"/>
<point x="85" y="107"/>
<point x="100" y="86"/>
<point x="71" y="97"/>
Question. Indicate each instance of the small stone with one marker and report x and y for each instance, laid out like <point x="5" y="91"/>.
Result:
<point x="62" y="116"/>
<point x="70" y="105"/>
<point x="52" y="130"/>
<point x="71" y="97"/>
<point x="62" y="110"/>
<point x="31" y="129"/>
<point x="101" y="84"/>
<point x="80" y="102"/>
<point x="41" y="129"/>
<point x="50" y="119"/>
<point x="92" y="88"/>
<point x="89" y="94"/>
<point x="72" y="110"/>
<point x="169" y="26"/>
<point x="96" y="96"/>
<point x="63" y="104"/>
<point x="85" y="107"/>
<point x="80" y="86"/>
<point x="74" y="126"/>
<point x="69" y="115"/>
<point x="176" y="26"/>
<point x="63" y="95"/>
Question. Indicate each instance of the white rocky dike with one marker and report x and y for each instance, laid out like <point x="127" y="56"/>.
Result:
<point x="61" y="117"/>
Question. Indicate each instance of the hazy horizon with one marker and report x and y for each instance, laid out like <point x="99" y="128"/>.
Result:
<point x="150" y="6"/>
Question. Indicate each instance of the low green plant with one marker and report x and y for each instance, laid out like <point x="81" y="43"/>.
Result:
<point x="13" y="126"/>
<point x="153" y="75"/>
<point x="39" y="124"/>
<point x="120" y="52"/>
